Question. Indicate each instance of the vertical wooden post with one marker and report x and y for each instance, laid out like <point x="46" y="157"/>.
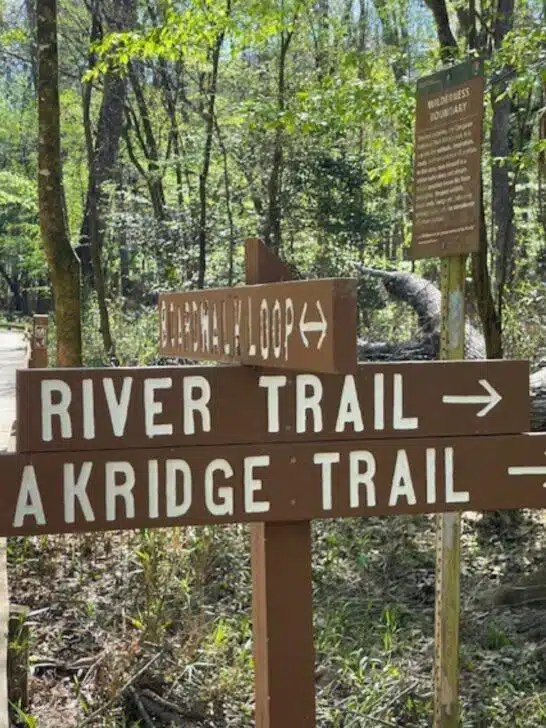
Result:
<point x="18" y="639"/>
<point x="38" y="342"/>
<point x="448" y="535"/>
<point x="282" y="600"/>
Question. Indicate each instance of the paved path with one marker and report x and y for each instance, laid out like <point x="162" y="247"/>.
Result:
<point x="13" y="349"/>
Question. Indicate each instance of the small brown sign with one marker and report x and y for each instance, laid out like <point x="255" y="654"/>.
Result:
<point x="75" y="492"/>
<point x="448" y="134"/>
<point x="307" y="325"/>
<point x="99" y="409"/>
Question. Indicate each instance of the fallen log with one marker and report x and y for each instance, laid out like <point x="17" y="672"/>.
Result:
<point x="424" y="298"/>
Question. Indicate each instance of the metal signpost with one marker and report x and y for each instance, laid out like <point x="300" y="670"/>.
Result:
<point x="447" y="172"/>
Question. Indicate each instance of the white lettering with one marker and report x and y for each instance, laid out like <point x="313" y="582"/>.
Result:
<point x="60" y="409"/>
<point x="118" y="409"/>
<point x="123" y="489"/>
<point x="88" y="407"/>
<point x="76" y="488"/>
<point x="29" y="502"/>
<point x="196" y="399"/>
<point x="453" y="496"/>
<point x="153" y="489"/>
<point x="349" y="407"/>
<point x="252" y="484"/>
<point x="276" y="329"/>
<point x="225" y="493"/>
<point x="399" y="421"/>
<point x="288" y="324"/>
<point x="272" y="384"/>
<point x="379" y="401"/>
<point x="172" y="468"/>
<point x="326" y="460"/>
<point x="153" y="408"/>
<point x="358" y="478"/>
<point x="402" y="485"/>
<point x="264" y="329"/>
<point x="431" y="474"/>
<point x="308" y="402"/>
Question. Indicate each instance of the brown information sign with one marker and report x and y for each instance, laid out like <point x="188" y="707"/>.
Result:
<point x="114" y="409"/>
<point x="308" y="325"/>
<point x="448" y="132"/>
<point x="75" y="492"/>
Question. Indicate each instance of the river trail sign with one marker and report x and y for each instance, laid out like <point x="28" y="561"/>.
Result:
<point x="114" y="409"/>
<point x="286" y="325"/>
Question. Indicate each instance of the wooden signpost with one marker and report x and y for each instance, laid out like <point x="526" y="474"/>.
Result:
<point x="106" y="449"/>
<point x="447" y="197"/>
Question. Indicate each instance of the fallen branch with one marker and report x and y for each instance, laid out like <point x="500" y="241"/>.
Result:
<point x="127" y="685"/>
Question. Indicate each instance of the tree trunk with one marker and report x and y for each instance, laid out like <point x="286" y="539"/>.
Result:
<point x="502" y="195"/>
<point x="20" y="301"/>
<point x="209" y="132"/>
<point x="62" y="262"/>
<point x="150" y="149"/>
<point x="92" y="217"/>
<point x="272" y="232"/>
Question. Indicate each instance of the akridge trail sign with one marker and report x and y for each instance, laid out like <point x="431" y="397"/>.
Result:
<point x="448" y="135"/>
<point x="287" y="325"/>
<point x="146" y="488"/>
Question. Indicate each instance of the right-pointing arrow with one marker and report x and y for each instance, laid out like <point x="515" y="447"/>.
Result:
<point x="490" y="400"/>
<point x="528" y="470"/>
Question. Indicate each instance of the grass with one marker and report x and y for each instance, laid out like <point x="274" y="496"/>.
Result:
<point x="114" y="600"/>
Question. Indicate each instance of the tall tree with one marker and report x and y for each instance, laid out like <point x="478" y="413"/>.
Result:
<point x="63" y="264"/>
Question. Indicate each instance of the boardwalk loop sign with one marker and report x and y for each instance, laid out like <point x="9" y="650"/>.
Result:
<point x="288" y="325"/>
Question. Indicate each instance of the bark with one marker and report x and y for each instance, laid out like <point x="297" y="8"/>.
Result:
<point x="487" y="310"/>
<point x="30" y="8"/>
<point x="170" y="98"/>
<point x="205" y="167"/>
<point x="448" y="44"/>
<point x="14" y="285"/>
<point x="227" y="192"/>
<point x="272" y="232"/>
<point x="62" y="262"/>
<point x="502" y="188"/>
<point x="149" y="147"/>
<point x="104" y="155"/>
<point x="94" y="233"/>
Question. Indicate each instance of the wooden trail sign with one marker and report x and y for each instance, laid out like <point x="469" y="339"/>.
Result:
<point x="309" y="325"/>
<point x="81" y="491"/>
<point x="448" y="136"/>
<point x="282" y="586"/>
<point x="99" y="409"/>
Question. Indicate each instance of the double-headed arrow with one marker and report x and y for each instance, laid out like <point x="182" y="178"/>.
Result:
<point x="490" y="400"/>
<point x="308" y="326"/>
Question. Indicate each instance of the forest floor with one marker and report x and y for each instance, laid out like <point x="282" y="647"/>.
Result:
<point x="153" y="628"/>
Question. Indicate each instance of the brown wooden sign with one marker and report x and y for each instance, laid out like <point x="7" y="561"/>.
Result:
<point x="69" y="492"/>
<point x="308" y="325"/>
<point x="99" y="409"/>
<point x="448" y="133"/>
